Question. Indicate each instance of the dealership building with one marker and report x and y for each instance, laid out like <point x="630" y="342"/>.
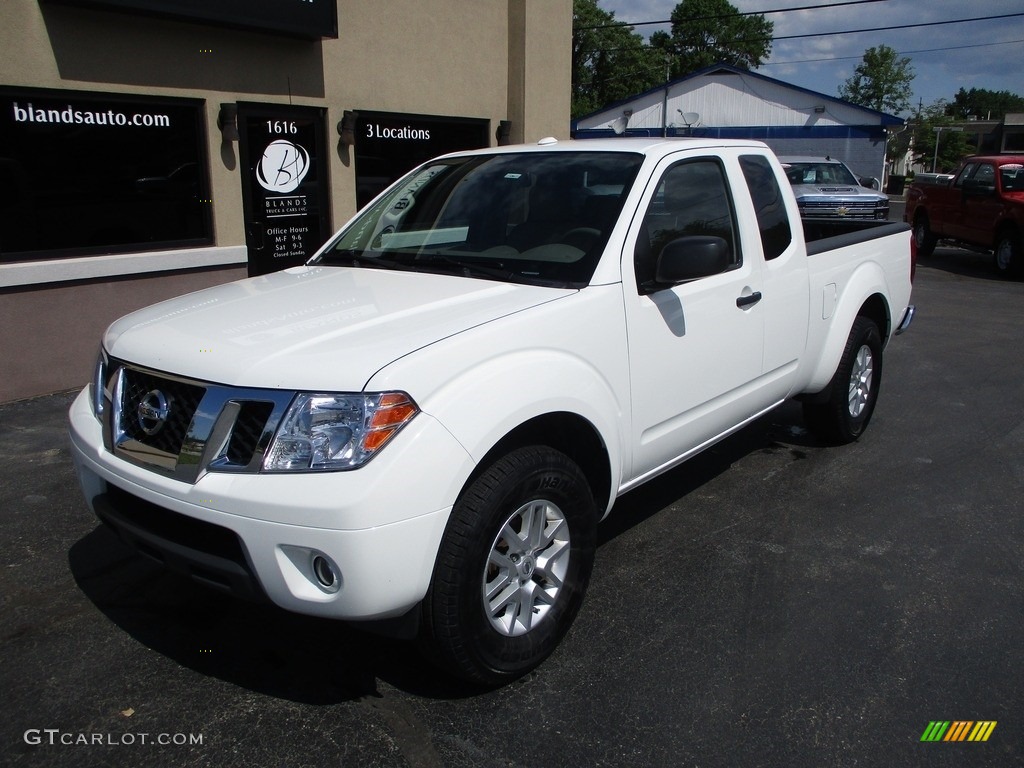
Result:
<point x="153" y="147"/>
<point x="726" y="102"/>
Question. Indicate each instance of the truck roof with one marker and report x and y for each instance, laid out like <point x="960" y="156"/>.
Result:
<point x="646" y="146"/>
<point x="809" y="159"/>
<point x="995" y="159"/>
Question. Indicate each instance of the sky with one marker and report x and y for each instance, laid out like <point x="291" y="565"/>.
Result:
<point x="945" y="58"/>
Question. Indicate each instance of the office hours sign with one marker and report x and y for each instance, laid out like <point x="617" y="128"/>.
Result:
<point x="285" y="187"/>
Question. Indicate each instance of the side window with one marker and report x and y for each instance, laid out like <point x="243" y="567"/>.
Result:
<point x="772" y="219"/>
<point x="964" y="174"/>
<point x="692" y="198"/>
<point x="985" y="173"/>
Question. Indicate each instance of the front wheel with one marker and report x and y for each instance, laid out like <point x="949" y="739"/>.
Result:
<point x="1007" y="256"/>
<point x="924" y="238"/>
<point x="513" y="567"/>
<point x="853" y="391"/>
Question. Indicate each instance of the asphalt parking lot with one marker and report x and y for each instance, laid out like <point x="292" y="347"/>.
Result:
<point x="771" y="603"/>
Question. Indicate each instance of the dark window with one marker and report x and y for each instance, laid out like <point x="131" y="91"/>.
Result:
<point x="87" y="173"/>
<point x="389" y="145"/>
<point x="692" y="198"/>
<point x="986" y="173"/>
<point x="311" y="19"/>
<point x="772" y="219"/>
<point x="964" y="174"/>
<point x="1012" y="176"/>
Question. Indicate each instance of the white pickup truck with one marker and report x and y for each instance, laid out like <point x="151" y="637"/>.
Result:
<point x="422" y="427"/>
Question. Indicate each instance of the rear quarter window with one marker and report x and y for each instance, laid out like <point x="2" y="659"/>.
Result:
<point x="772" y="219"/>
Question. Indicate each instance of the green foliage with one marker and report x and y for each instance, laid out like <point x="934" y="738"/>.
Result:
<point x="610" y="63"/>
<point x="881" y="81"/>
<point x="706" y="32"/>
<point x="614" y="63"/>
<point x="953" y="145"/>
<point x="984" y="104"/>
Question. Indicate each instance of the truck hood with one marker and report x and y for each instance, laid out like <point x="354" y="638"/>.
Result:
<point x="311" y="328"/>
<point x="835" y="190"/>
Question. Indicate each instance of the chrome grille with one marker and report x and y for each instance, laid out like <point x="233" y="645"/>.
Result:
<point x="837" y="203"/>
<point x="184" y="428"/>
<point x="183" y="399"/>
<point x="246" y="432"/>
<point x="852" y="209"/>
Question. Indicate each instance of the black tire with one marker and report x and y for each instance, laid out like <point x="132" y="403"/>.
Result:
<point x="924" y="238"/>
<point x="484" y="548"/>
<point x="1007" y="258"/>
<point x="853" y="391"/>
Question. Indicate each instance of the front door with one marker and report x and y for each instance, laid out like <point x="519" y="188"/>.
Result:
<point x="696" y="348"/>
<point x="285" y="187"/>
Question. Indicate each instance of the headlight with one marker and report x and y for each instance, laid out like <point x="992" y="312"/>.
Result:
<point x="99" y="382"/>
<point x="336" y="431"/>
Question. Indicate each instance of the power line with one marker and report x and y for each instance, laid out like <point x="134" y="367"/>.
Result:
<point x="898" y="53"/>
<point x="731" y="15"/>
<point x="888" y="29"/>
<point x="852" y="31"/>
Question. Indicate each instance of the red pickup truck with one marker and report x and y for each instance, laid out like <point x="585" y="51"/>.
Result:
<point x="980" y="207"/>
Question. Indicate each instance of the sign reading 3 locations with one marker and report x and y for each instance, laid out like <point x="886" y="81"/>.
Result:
<point x="389" y="144"/>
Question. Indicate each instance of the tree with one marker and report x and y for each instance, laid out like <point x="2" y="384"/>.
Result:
<point x="953" y="145"/>
<point x="984" y="105"/>
<point x="705" y="32"/>
<point x="609" y="61"/>
<point x="881" y="81"/>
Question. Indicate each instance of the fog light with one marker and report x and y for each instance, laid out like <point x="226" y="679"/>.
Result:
<point x="325" y="573"/>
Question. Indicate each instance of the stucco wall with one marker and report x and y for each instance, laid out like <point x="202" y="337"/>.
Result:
<point x="486" y="59"/>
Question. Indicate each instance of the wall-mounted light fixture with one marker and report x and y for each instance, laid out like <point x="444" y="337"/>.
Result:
<point x="820" y="109"/>
<point x="227" y="122"/>
<point x="503" y="133"/>
<point x="347" y="127"/>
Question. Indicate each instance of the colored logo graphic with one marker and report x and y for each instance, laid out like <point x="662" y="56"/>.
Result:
<point x="958" y="730"/>
<point x="283" y="166"/>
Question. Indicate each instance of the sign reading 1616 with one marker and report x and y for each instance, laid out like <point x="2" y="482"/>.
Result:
<point x="281" y="126"/>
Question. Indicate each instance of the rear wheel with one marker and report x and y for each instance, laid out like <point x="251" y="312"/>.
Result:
<point x="852" y="394"/>
<point x="924" y="238"/>
<point x="513" y="567"/>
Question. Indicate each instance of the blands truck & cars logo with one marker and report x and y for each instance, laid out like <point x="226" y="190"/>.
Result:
<point x="283" y="166"/>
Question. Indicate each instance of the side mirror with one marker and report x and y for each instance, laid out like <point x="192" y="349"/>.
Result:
<point x="690" y="258"/>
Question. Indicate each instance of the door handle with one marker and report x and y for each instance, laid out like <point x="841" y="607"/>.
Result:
<point x="748" y="301"/>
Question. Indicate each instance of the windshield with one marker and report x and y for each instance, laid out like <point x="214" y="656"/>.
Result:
<point x="536" y="217"/>
<point x="819" y="173"/>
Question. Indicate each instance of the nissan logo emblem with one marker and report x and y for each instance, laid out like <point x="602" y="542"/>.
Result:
<point x="153" y="410"/>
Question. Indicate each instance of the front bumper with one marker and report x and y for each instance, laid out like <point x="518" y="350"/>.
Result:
<point x="257" y="535"/>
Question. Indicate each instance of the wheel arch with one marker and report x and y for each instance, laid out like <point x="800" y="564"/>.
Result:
<point x="568" y="433"/>
<point x="1006" y="227"/>
<point x="873" y="306"/>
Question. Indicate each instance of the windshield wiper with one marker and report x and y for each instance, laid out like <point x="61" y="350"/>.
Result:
<point x="470" y="269"/>
<point x="356" y="258"/>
